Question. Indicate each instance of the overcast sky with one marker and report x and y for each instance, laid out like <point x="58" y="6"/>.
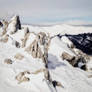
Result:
<point x="41" y="11"/>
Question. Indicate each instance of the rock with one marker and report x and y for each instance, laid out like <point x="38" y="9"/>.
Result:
<point x="38" y="71"/>
<point x="39" y="47"/>
<point x="19" y="56"/>
<point x="26" y="31"/>
<point x="4" y="39"/>
<point x="15" y="22"/>
<point x="90" y="76"/>
<point x="5" y="26"/>
<point x="41" y="37"/>
<point x="79" y="62"/>
<point x="44" y="41"/>
<point x="45" y="59"/>
<point x="18" y="25"/>
<point x="26" y="36"/>
<point x="75" y="61"/>
<point x="22" y="78"/>
<point x="34" y="49"/>
<point x="8" y="61"/>
<point x="1" y="24"/>
<point x="56" y="83"/>
<point x="16" y="43"/>
<point x="66" y="56"/>
<point x="82" y="42"/>
<point x="79" y="53"/>
<point x="47" y="75"/>
<point x="67" y="41"/>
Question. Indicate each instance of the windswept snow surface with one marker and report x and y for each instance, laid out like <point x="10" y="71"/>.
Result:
<point x="73" y="79"/>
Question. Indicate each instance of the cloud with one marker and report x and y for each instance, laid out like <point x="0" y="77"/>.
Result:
<point x="46" y="10"/>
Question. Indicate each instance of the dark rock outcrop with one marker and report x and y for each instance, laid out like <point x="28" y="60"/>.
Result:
<point x="75" y="61"/>
<point x="16" y="24"/>
<point x="81" y="41"/>
<point x="1" y="24"/>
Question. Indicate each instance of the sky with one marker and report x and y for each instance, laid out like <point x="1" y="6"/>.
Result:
<point x="47" y="11"/>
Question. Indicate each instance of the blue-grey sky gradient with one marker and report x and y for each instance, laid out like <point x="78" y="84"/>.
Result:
<point x="40" y="11"/>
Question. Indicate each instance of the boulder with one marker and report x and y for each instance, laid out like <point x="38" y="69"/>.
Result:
<point x="8" y="61"/>
<point x="41" y="37"/>
<point x="66" y="56"/>
<point x="4" y="39"/>
<point x="34" y="49"/>
<point x="15" y="24"/>
<point x="67" y="41"/>
<point x="5" y="26"/>
<point x="16" y="43"/>
<point x="26" y="36"/>
<point x="75" y="61"/>
<point x="19" y="56"/>
<point x="22" y="78"/>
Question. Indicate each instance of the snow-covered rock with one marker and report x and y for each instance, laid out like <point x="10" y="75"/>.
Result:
<point x="14" y="24"/>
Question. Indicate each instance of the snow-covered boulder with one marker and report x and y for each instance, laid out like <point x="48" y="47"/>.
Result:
<point x="4" y="39"/>
<point x="76" y="61"/>
<point x="25" y="38"/>
<point x="14" y="24"/>
<point x="4" y="27"/>
<point x="34" y="49"/>
<point x="67" y="41"/>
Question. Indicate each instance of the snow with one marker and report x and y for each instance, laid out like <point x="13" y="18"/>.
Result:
<point x="73" y="79"/>
<point x="61" y="28"/>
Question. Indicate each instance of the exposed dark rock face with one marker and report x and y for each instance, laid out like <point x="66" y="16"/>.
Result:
<point x="8" y="61"/>
<point x="1" y="24"/>
<point x="81" y="63"/>
<point x="82" y="42"/>
<point x="18" y="26"/>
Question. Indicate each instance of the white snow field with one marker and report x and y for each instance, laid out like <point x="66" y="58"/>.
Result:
<point x="72" y="79"/>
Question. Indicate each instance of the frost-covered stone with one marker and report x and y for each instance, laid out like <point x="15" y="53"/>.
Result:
<point x="26" y="36"/>
<point x="41" y="37"/>
<point x="15" y="24"/>
<point x="5" y="26"/>
<point x="19" y="56"/>
<point x="67" y="41"/>
<point x="16" y="43"/>
<point x="76" y="61"/>
<point x="34" y="49"/>
<point x="21" y="77"/>
<point x="79" y="53"/>
<point x="66" y="56"/>
<point x="4" y="39"/>
<point x="8" y="61"/>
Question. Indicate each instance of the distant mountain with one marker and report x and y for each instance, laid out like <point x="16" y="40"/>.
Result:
<point x="82" y="42"/>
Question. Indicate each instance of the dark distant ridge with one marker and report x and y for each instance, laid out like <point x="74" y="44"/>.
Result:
<point x="81" y="41"/>
<point x="84" y="25"/>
